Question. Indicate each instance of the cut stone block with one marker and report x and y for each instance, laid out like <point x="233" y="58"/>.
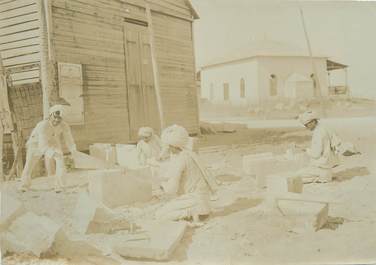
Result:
<point x="258" y="164"/>
<point x="85" y="212"/>
<point x="157" y="243"/>
<point x="31" y="234"/>
<point x="84" y="161"/>
<point x="115" y="188"/>
<point x="105" y="152"/>
<point x="314" y="214"/>
<point x="11" y="209"/>
<point x="295" y="184"/>
<point x="89" y="217"/>
<point x="68" y="247"/>
<point x="127" y="156"/>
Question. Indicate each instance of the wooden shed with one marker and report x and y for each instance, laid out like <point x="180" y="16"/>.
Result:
<point x="121" y="64"/>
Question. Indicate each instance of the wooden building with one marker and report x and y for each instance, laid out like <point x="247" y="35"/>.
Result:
<point x="121" y="64"/>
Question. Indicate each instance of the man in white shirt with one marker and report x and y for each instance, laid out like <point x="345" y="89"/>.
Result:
<point x="322" y="152"/>
<point x="45" y="140"/>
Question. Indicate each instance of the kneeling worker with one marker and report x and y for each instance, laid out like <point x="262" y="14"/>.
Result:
<point x="45" y="141"/>
<point x="149" y="145"/>
<point x="323" y="154"/>
<point x="188" y="186"/>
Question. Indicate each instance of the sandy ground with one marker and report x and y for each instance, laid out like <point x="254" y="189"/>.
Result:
<point x="240" y="230"/>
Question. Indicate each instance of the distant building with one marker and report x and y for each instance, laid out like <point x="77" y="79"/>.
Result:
<point x="264" y="71"/>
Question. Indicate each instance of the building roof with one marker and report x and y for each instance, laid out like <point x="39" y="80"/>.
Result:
<point x="193" y="9"/>
<point x="331" y="65"/>
<point x="258" y="48"/>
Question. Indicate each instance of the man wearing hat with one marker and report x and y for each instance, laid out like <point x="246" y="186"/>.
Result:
<point x="188" y="185"/>
<point x="322" y="152"/>
<point x="45" y="140"/>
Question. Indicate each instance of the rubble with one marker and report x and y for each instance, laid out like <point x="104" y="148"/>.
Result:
<point x="158" y="242"/>
<point x="11" y="209"/>
<point x="115" y="188"/>
<point x="89" y="217"/>
<point x="30" y="234"/>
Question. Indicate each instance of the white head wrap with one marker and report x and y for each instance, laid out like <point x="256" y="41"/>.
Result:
<point x="145" y="132"/>
<point x="55" y="108"/>
<point x="176" y="136"/>
<point x="307" y="117"/>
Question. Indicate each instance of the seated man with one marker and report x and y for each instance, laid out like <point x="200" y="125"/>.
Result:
<point x="45" y="140"/>
<point x="188" y="186"/>
<point x="323" y="151"/>
<point x="149" y="146"/>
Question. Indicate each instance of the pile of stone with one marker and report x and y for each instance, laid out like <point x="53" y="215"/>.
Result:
<point x="94" y="216"/>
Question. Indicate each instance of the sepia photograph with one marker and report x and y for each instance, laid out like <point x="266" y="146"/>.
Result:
<point x="187" y="132"/>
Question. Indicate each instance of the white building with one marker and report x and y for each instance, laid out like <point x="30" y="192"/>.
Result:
<point x="264" y="71"/>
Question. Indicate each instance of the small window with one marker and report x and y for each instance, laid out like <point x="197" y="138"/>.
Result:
<point x="313" y="80"/>
<point x="226" y="91"/>
<point x="273" y="85"/>
<point x="242" y="88"/>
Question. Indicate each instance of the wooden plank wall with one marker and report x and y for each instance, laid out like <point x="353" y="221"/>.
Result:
<point x="19" y="40"/>
<point x="173" y="38"/>
<point x="90" y="32"/>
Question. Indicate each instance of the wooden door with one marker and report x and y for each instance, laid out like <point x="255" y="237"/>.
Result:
<point x="142" y="103"/>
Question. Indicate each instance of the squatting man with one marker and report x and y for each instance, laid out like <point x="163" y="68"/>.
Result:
<point x="324" y="151"/>
<point x="45" y="140"/>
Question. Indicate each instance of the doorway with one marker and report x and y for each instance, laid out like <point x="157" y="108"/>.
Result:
<point x="142" y="102"/>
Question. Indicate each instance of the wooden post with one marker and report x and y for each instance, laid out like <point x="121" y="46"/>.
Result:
<point x="6" y="120"/>
<point x="2" y="178"/>
<point x="197" y="91"/>
<point x="318" y="86"/>
<point x="48" y="71"/>
<point x="155" y="67"/>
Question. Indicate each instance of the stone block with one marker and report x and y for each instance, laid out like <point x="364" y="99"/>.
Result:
<point x="158" y="242"/>
<point x="127" y="156"/>
<point x="295" y="184"/>
<point x="115" y="188"/>
<point x="258" y="164"/>
<point x="313" y="214"/>
<point x="90" y="217"/>
<point x="31" y="234"/>
<point x="84" y="161"/>
<point x="86" y="211"/>
<point x="11" y="209"/>
<point x="105" y="152"/>
<point x="67" y="246"/>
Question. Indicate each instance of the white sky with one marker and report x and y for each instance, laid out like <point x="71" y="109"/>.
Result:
<point x="342" y="30"/>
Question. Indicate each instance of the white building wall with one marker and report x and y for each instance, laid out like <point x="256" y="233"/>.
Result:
<point x="283" y="67"/>
<point x="213" y="78"/>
